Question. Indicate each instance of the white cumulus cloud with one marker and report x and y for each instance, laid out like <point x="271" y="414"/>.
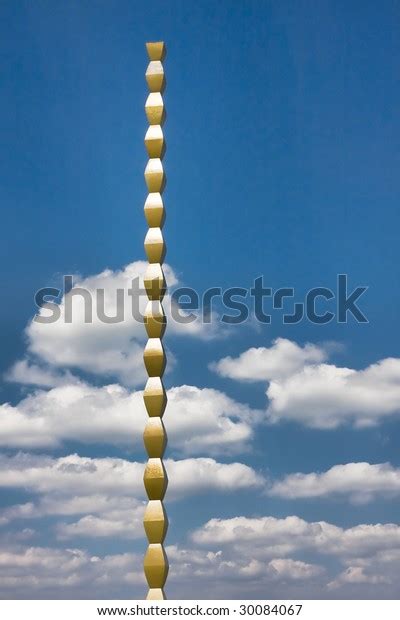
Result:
<point x="99" y="347"/>
<point x="83" y="475"/>
<point x="303" y="388"/>
<point x="198" y="419"/>
<point x="361" y="482"/>
<point x="325" y="396"/>
<point x="107" y="494"/>
<point x="282" y="359"/>
<point x="270" y="536"/>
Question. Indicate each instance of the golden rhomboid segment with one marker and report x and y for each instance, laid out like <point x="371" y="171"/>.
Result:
<point x="155" y="399"/>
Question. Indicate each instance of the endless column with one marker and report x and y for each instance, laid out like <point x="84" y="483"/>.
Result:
<point x="155" y="399"/>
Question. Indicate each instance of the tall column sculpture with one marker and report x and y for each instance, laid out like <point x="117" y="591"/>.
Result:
<point x="155" y="399"/>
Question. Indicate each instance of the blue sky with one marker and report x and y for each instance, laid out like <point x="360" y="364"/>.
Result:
<point x="282" y="161"/>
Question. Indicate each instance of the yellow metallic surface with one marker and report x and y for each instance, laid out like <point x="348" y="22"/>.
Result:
<point x="155" y="566"/>
<point x="155" y="479"/>
<point x="154" y="245"/>
<point x="154" y="141"/>
<point x="156" y="50"/>
<point x="154" y="210"/>
<point x="154" y="175"/>
<point x="154" y="281"/>
<point x="154" y="357"/>
<point x="155" y="594"/>
<point x="155" y="438"/>
<point x="154" y="319"/>
<point x="155" y="521"/>
<point x="154" y="108"/>
<point x="155" y="397"/>
<point x="155" y="76"/>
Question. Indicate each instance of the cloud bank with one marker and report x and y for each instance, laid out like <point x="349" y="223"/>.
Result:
<point x="301" y="388"/>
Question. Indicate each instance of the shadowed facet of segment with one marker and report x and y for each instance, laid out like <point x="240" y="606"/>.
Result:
<point x="154" y="210"/>
<point x="154" y="357"/>
<point x="154" y="109"/>
<point x="155" y="77"/>
<point x="155" y="397"/>
<point x="156" y="50"/>
<point x="155" y="566"/>
<point x="155" y="521"/>
<point x="154" y="175"/>
<point x="154" y="245"/>
<point x="154" y="141"/>
<point x="155" y="479"/>
<point x="154" y="282"/>
<point x="154" y="319"/>
<point x="155" y="438"/>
